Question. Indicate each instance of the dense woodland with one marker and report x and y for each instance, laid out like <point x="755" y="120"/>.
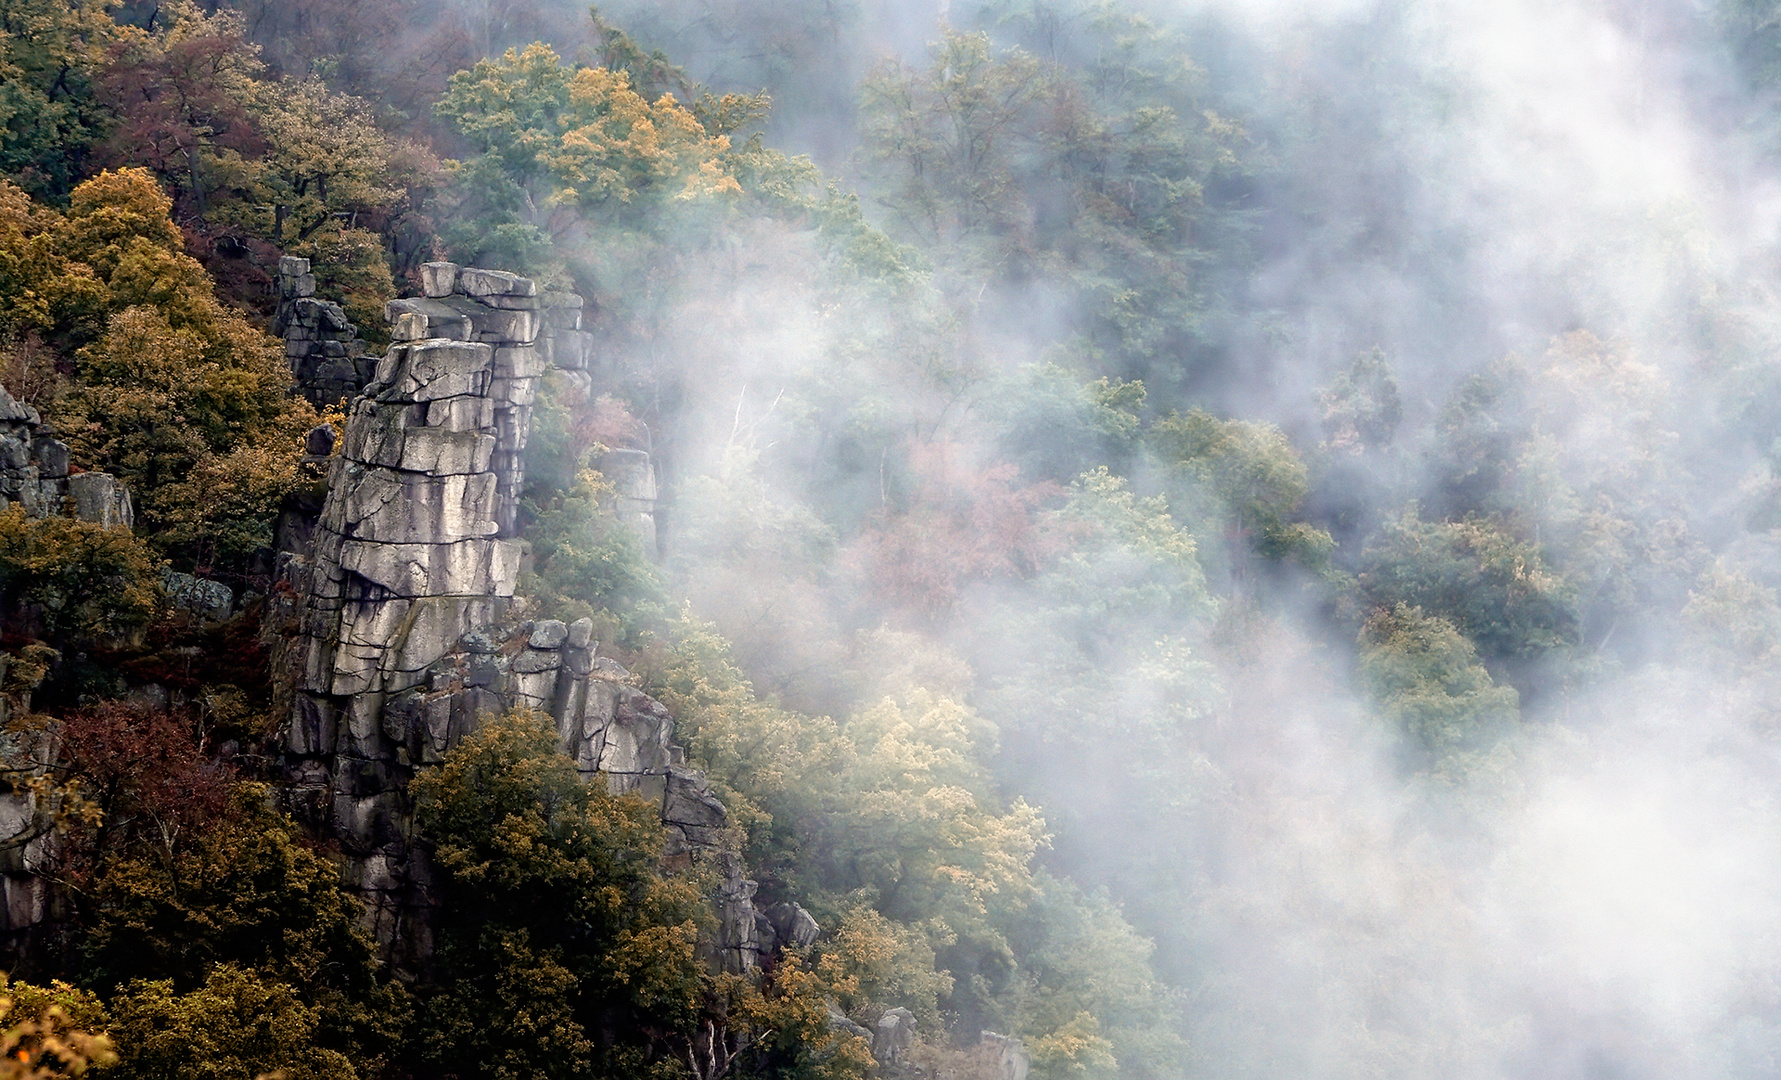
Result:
<point x="1215" y="540"/>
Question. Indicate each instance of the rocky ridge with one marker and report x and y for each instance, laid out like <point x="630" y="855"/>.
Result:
<point x="404" y="599"/>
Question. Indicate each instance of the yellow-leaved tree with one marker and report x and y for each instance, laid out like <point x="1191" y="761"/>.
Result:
<point x="50" y="1031"/>
<point x="560" y="145"/>
<point x="173" y="391"/>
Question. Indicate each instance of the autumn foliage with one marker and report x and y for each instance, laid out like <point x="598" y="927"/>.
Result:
<point x="960" y="524"/>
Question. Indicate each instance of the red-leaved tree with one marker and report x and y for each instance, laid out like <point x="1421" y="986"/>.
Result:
<point x="183" y="96"/>
<point x="149" y="774"/>
<point x="960" y="523"/>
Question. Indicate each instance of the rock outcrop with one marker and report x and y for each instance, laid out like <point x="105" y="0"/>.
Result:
<point x="405" y="640"/>
<point x="892" y="1037"/>
<point x="633" y="481"/>
<point x="1003" y="1057"/>
<point x="328" y="361"/>
<point x="35" y="473"/>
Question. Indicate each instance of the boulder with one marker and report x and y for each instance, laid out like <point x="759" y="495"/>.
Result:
<point x="689" y="802"/>
<point x="518" y="362"/>
<point x="581" y="633"/>
<point x="841" y="1022"/>
<point x="209" y="600"/>
<point x="792" y="925"/>
<point x="892" y="1036"/>
<point x="384" y="506"/>
<point x="572" y="350"/>
<point x="493" y="325"/>
<point x="548" y="634"/>
<point x="99" y="498"/>
<point x="562" y="311"/>
<point x="52" y="457"/>
<point x="489" y="283"/>
<point x="442" y="321"/>
<point x="439" y="279"/>
<point x="408" y="326"/>
<point x="319" y="442"/>
<point x="12" y="411"/>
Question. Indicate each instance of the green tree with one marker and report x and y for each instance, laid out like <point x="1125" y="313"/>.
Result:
<point x="1426" y="678"/>
<point x="42" y="292"/>
<point x="50" y="111"/>
<point x="887" y="824"/>
<point x="1011" y="167"/>
<point x="238" y="910"/>
<point x="555" y="141"/>
<point x="588" y="564"/>
<point x="1492" y="586"/>
<point x="1130" y="573"/>
<point x="75" y="580"/>
<point x="953" y="139"/>
<point x="237" y="1023"/>
<point x="324" y="157"/>
<point x="1255" y="474"/>
<point x="174" y="392"/>
<point x="1361" y="408"/>
<point x="1752" y="28"/>
<point x="755" y="564"/>
<point x="1057" y="424"/>
<point x="50" y="1031"/>
<point x="1100" y="684"/>
<point x="182" y="91"/>
<point x="560" y="944"/>
<point x="1091" y="1002"/>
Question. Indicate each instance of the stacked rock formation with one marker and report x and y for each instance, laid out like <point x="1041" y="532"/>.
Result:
<point x="410" y="553"/>
<point x="327" y="359"/>
<point x="404" y="637"/>
<point x="34" y="473"/>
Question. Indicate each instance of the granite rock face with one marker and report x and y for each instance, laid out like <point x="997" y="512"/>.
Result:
<point x="327" y="359"/>
<point x="404" y="598"/>
<point x="634" y="500"/>
<point x="35" y="473"/>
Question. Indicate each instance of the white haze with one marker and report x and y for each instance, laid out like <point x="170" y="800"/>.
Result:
<point x="1623" y="917"/>
<point x="1614" y="909"/>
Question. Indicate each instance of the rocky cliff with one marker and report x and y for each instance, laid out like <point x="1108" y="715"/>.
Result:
<point x="403" y="601"/>
<point x="35" y="475"/>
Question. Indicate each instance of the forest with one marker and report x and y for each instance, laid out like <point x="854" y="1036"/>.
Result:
<point x="1190" y="538"/>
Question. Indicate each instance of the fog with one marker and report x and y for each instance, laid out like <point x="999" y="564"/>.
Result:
<point x="1456" y="184"/>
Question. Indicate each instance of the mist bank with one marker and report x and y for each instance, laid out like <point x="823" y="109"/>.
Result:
<point x="1554" y="224"/>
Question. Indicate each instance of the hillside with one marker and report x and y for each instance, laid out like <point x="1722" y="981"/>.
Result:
<point x="1016" y="541"/>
